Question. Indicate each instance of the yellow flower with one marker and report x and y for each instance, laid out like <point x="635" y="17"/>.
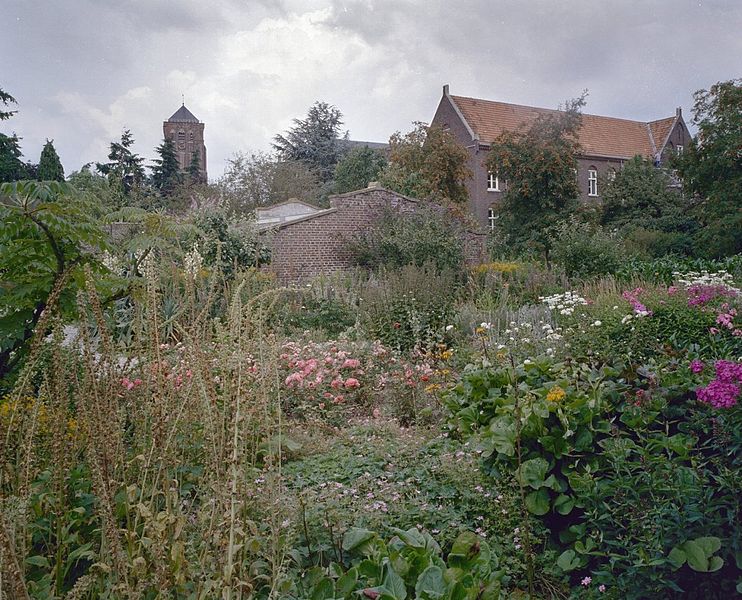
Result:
<point x="556" y="394"/>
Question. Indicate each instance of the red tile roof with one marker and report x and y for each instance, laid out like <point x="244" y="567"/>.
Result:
<point x="599" y="136"/>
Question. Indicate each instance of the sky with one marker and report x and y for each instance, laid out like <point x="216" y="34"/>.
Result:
<point x="84" y="70"/>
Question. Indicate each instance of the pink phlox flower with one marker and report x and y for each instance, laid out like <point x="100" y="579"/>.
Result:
<point x="586" y="581"/>
<point x="336" y="383"/>
<point x="352" y="382"/>
<point x="696" y="366"/>
<point x="351" y="363"/>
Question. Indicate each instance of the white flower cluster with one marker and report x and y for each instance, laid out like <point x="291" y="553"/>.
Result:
<point x="704" y="278"/>
<point x="565" y="303"/>
<point x="193" y="263"/>
<point x="111" y="262"/>
<point x="149" y="268"/>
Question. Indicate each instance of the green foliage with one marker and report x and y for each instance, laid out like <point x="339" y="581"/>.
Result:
<point x="124" y="171"/>
<point x="231" y="244"/>
<point x="50" y="167"/>
<point x="313" y="140"/>
<point x="357" y="169"/>
<point x="305" y="312"/>
<point x="409" y="565"/>
<point x="11" y="166"/>
<point x="539" y="165"/>
<point x="6" y="99"/>
<point x="641" y="205"/>
<point x="621" y="466"/>
<point x="166" y="173"/>
<point x="259" y="179"/>
<point x="585" y="250"/>
<point x="415" y="238"/>
<point x="712" y="168"/>
<point x="409" y="307"/>
<point x="47" y="234"/>
<point x="427" y="163"/>
<point x="194" y="167"/>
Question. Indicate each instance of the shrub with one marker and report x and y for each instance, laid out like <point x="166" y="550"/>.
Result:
<point x="408" y="308"/>
<point x="586" y="250"/>
<point x="398" y="239"/>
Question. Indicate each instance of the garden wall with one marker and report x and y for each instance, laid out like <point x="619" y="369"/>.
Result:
<point x="317" y="244"/>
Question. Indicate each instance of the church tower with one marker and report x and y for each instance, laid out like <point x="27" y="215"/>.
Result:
<point x="186" y="133"/>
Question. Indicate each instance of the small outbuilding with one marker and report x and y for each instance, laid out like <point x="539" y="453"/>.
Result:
<point x="307" y="241"/>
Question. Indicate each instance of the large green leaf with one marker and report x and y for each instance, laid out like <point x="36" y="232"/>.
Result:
<point x="533" y="472"/>
<point x="537" y="502"/>
<point x="357" y="540"/>
<point x="430" y="585"/>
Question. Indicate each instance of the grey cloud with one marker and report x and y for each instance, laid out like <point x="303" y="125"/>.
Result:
<point x="73" y="65"/>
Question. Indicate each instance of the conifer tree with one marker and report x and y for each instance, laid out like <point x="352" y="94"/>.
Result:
<point x="50" y="167"/>
<point x="166" y="173"/>
<point x="11" y="166"/>
<point x="194" y="169"/>
<point x="125" y="170"/>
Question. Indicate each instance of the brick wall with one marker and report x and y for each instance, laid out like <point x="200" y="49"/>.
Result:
<point x="318" y="244"/>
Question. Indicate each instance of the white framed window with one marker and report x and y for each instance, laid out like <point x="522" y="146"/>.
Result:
<point x="679" y="149"/>
<point x="592" y="181"/>
<point x="491" y="218"/>
<point x="611" y="174"/>
<point x="493" y="182"/>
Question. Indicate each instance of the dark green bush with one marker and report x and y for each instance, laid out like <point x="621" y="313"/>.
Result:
<point x="400" y="239"/>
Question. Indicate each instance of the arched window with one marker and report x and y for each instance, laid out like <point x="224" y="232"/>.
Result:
<point x="592" y="181"/>
<point x="181" y="136"/>
<point x="191" y="136"/>
<point x="493" y="182"/>
<point x="611" y="174"/>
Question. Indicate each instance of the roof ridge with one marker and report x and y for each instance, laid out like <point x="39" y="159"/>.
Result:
<point x="558" y="110"/>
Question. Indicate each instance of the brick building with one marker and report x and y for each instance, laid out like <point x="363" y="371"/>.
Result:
<point x="186" y="133"/>
<point x="309" y="244"/>
<point x="606" y="143"/>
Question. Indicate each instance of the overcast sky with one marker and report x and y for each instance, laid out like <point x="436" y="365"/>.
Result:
<point x="82" y="70"/>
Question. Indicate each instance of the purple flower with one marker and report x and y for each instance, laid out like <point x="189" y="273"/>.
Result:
<point x="728" y="371"/>
<point x="601" y="588"/>
<point x="586" y="581"/>
<point x="719" y="394"/>
<point x="696" y="366"/>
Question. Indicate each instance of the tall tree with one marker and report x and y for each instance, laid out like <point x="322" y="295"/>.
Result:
<point x="642" y="203"/>
<point x="539" y="163"/>
<point x="260" y="179"/>
<point x="357" y="168"/>
<point x="11" y="166"/>
<point x="7" y="100"/>
<point x="166" y="173"/>
<point x="50" y="167"/>
<point x="314" y="140"/>
<point x="124" y="169"/>
<point x="427" y="163"/>
<point x="194" y="168"/>
<point x="711" y="167"/>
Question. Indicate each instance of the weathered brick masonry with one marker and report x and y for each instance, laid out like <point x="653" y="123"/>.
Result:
<point x="317" y="243"/>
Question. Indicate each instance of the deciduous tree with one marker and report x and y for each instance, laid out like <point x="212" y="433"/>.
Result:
<point x="357" y="168"/>
<point x="711" y="167"/>
<point x="427" y="163"/>
<point x="260" y="179"/>
<point x="539" y="163"/>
